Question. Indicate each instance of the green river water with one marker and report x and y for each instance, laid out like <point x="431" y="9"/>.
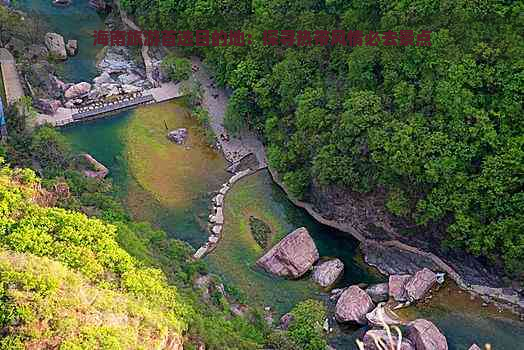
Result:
<point x="171" y="186"/>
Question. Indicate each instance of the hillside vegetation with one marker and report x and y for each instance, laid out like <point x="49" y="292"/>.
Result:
<point x="439" y="128"/>
<point x="66" y="282"/>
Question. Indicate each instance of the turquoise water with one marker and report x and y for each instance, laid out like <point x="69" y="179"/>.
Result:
<point x="106" y="141"/>
<point x="77" y="22"/>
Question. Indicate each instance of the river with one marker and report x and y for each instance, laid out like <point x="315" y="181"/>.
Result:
<point x="171" y="186"/>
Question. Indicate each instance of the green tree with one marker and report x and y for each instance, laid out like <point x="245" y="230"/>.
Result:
<point x="177" y="68"/>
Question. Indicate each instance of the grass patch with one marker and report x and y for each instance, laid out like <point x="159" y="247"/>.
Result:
<point x="180" y="173"/>
<point x="260" y="230"/>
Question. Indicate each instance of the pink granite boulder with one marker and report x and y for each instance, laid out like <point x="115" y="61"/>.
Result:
<point x="420" y="284"/>
<point x="397" y="287"/>
<point x="292" y="257"/>
<point x="353" y="305"/>
<point x="77" y="90"/>
<point x="425" y="335"/>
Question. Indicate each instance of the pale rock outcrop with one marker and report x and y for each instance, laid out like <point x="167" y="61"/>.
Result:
<point x="99" y="172"/>
<point x="72" y="47"/>
<point x="57" y="84"/>
<point x="99" y="5"/>
<point x="420" y="284"/>
<point x="218" y="218"/>
<point x="369" y="340"/>
<point x="56" y="45"/>
<point x="425" y="335"/>
<point x="103" y="78"/>
<point x="397" y="287"/>
<point x="326" y="273"/>
<point x="292" y="257"/>
<point x="36" y="52"/>
<point x="353" y="305"/>
<point x="382" y="314"/>
<point x="129" y="78"/>
<point x="378" y="292"/>
<point x="77" y="90"/>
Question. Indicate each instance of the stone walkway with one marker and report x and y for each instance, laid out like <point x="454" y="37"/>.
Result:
<point x="234" y="148"/>
<point x="12" y="84"/>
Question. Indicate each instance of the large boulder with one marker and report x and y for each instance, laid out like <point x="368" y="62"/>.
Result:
<point x="391" y="343"/>
<point x="378" y="292"/>
<point x="56" y="46"/>
<point x="292" y="257"/>
<point x="72" y="47"/>
<point x="48" y="106"/>
<point x="77" y="90"/>
<point x="327" y="272"/>
<point x="353" y="305"/>
<point x="420" y="284"/>
<point x="425" y="335"/>
<point x="397" y="287"/>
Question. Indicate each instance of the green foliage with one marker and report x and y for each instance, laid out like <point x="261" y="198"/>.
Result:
<point x="261" y="231"/>
<point x="305" y="330"/>
<point x="177" y="68"/>
<point x="100" y="285"/>
<point x="435" y="126"/>
<point x="51" y="150"/>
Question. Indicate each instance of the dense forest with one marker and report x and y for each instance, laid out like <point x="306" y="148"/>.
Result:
<point x="439" y="128"/>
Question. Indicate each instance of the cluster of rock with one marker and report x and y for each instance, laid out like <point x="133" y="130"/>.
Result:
<point x="57" y="47"/>
<point x="420" y="334"/>
<point x="357" y="306"/>
<point x="178" y="136"/>
<point x="119" y="73"/>
<point x="295" y="255"/>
